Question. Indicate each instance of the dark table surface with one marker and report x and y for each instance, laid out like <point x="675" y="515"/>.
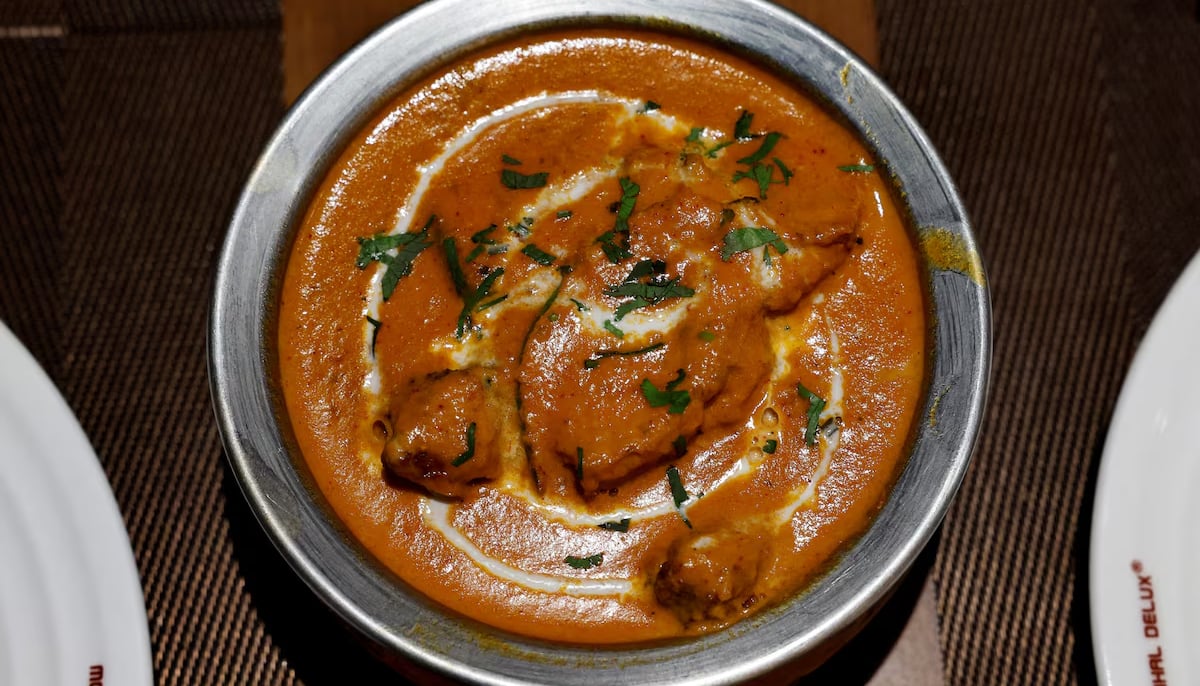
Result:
<point x="127" y="127"/>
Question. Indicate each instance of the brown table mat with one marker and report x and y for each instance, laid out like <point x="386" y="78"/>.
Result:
<point x="127" y="127"/>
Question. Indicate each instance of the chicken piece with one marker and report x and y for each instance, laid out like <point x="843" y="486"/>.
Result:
<point x="710" y="576"/>
<point x="800" y="269"/>
<point x="567" y="407"/>
<point x="443" y="433"/>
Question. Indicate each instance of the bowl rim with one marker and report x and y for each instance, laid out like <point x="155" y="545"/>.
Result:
<point x="256" y="434"/>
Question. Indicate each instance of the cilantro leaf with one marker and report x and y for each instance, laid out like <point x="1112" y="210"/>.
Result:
<point x="647" y="284"/>
<point x="749" y="238"/>
<point x="491" y="303"/>
<point x="680" y="445"/>
<point x="787" y="173"/>
<point x="538" y="255"/>
<point x="620" y="526"/>
<point x="594" y="359"/>
<point x="674" y="400"/>
<point x="741" y="129"/>
<point x="770" y="446"/>
<point x="585" y="562"/>
<point x="761" y="174"/>
<point x="375" y="324"/>
<point x="764" y="149"/>
<point x="816" y="405"/>
<point x="612" y="328"/>
<point x="857" y="168"/>
<point x="523" y="228"/>
<point x="481" y="239"/>
<point x="407" y="246"/>
<point x="470" y="451"/>
<point x="516" y="180"/>
<point x="615" y="242"/>
<point x="712" y="152"/>
<point x="678" y="493"/>
<point x="629" y="195"/>
<point x="650" y="106"/>
<point x="508" y="159"/>
<point x="471" y="297"/>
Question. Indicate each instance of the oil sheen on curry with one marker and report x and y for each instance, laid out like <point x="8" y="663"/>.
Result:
<point x="603" y="337"/>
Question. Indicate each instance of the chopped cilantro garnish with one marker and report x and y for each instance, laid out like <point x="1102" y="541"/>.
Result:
<point x="680" y="445"/>
<point x="470" y="451"/>
<point x="484" y="236"/>
<point x="614" y="251"/>
<point x="762" y="175"/>
<point x="816" y="405"/>
<point x="650" y="106"/>
<point x="712" y="152"/>
<point x="580" y="306"/>
<point x="407" y="246"/>
<point x="585" y="562"/>
<point x="770" y="446"/>
<point x="508" y="159"/>
<point x="538" y="255"/>
<point x="612" y="328"/>
<point x="481" y="239"/>
<point x="375" y="324"/>
<point x="615" y="243"/>
<point x="857" y="168"/>
<point x="741" y="129"/>
<point x="491" y="303"/>
<point x="522" y="228"/>
<point x="764" y="149"/>
<point x="749" y="238"/>
<point x="678" y="493"/>
<point x="783" y="169"/>
<point x="471" y="297"/>
<point x="674" y="400"/>
<point x="629" y="195"/>
<point x="647" y="284"/>
<point x="594" y="359"/>
<point x="707" y="336"/>
<point x="456" y="271"/>
<point x="579" y="463"/>
<point x="516" y="180"/>
<point x="694" y="135"/>
<point x="563" y="214"/>
<point x="620" y="526"/>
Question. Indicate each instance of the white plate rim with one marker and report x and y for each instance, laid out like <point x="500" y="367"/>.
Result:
<point x="1142" y="610"/>
<point x="95" y="617"/>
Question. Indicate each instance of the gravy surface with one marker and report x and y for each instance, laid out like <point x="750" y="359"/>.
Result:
<point x="603" y="337"/>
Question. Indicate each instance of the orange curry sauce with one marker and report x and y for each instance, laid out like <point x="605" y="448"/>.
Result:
<point x="651" y="347"/>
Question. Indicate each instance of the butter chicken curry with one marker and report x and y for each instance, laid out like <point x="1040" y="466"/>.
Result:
<point x="603" y="337"/>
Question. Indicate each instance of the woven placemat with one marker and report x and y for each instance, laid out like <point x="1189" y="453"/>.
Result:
<point x="1072" y="130"/>
<point x="127" y="128"/>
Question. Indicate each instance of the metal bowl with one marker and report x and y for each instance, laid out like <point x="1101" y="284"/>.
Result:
<point x="243" y="369"/>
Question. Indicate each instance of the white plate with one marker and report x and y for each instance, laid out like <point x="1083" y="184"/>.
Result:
<point x="1145" y="548"/>
<point x="71" y="608"/>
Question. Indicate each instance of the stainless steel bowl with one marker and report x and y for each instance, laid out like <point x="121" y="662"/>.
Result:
<point x="404" y="624"/>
